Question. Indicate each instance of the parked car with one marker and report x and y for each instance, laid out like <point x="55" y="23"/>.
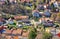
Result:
<point x="19" y="25"/>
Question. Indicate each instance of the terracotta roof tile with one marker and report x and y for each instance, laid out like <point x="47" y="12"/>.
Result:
<point x="8" y="31"/>
<point x="19" y="31"/>
<point x="21" y="17"/>
<point x="16" y="37"/>
<point x="14" y="32"/>
<point x="8" y="37"/>
<point x="25" y="34"/>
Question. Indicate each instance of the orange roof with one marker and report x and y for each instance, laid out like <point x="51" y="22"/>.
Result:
<point x="16" y="37"/>
<point x="19" y="31"/>
<point x="25" y="34"/>
<point x="14" y="32"/>
<point x="8" y="37"/>
<point x="8" y="31"/>
<point x="21" y="17"/>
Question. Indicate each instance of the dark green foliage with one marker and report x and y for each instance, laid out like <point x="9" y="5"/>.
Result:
<point x="32" y="34"/>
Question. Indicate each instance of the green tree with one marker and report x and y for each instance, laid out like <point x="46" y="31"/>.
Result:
<point x="32" y="34"/>
<point x="46" y="35"/>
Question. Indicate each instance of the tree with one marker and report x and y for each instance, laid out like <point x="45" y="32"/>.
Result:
<point x="46" y="35"/>
<point x="32" y="34"/>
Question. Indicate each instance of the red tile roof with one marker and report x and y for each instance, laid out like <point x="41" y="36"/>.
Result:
<point x="8" y="31"/>
<point x="15" y="37"/>
<point x="25" y="34"/>
<point x="8" y="37"/>
<point x="21" y="17"/>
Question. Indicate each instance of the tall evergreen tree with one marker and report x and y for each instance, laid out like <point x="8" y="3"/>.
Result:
<point x="32" y="34"/>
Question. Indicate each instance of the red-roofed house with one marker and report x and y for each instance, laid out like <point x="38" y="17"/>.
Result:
<point x="25" y="34"/>
<point x="21" y="17"/>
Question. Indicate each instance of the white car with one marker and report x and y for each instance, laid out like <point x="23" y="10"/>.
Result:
<point x="20" y="25"/>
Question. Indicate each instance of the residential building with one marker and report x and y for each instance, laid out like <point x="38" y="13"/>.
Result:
<point x="21" y="17"/>
<point x="12" y="1"/>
